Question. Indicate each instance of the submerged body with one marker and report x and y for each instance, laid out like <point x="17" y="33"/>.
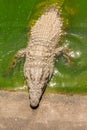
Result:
<point x="41" y="53"/>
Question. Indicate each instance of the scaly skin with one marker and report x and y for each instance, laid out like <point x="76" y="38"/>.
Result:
<point x="41" y="53"/>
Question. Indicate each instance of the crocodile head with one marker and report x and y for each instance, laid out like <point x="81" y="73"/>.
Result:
<point x="36" y="80"/>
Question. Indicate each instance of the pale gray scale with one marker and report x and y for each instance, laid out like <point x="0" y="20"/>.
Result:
<point x="37" y="42"/>
<point x="44" y="24"/>
<point x="51" y="41"/>
<point x="47" y="26"/>
<point x="43" y="42"/>
<point x="36" y="64"/>
<point x="38" y="54"/>
<point x="46" y="18"/>
<point x="38" y="35"/>
<point x="36" y="74"/>
<point x="38" y="59"/>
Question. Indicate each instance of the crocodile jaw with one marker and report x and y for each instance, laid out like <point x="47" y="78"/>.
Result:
<point x="35" y="96"/>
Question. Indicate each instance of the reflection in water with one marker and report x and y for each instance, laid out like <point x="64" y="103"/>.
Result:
<point x="57" y="73"/>
<point x="76" y="54"/>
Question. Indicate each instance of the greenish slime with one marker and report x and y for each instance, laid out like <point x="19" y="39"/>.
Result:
<point x="16" y="19"/>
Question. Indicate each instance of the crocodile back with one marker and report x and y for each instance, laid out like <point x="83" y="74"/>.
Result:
<point x="38" y="67"/>
<point x="48" y="26"/>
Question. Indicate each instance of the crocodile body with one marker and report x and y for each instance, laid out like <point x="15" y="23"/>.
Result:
<point x="41" y="53"/>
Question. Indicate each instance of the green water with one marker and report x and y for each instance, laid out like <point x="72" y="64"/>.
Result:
<point x="16" y="16"/>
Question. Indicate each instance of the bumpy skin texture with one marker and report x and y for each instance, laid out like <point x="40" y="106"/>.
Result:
<point x="41" y="53"/>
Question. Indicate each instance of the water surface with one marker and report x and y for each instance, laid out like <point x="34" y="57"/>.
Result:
<point x="16" y="18"/>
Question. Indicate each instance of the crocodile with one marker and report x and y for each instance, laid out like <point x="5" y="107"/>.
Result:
<point x="41" y="52"/>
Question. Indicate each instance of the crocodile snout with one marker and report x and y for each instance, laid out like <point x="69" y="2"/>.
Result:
<point x="34" y="103"/>
<point x="35" y="96"/>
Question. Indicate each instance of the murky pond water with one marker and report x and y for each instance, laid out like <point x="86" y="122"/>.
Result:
<point x="15" y="18"/>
